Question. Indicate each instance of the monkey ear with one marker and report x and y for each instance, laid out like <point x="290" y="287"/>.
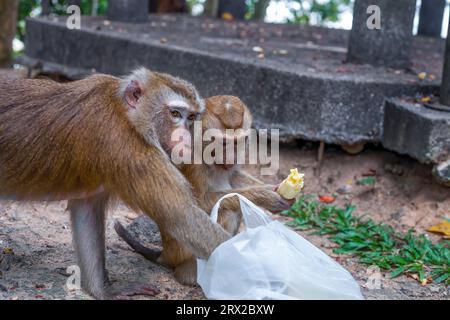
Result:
<point x="133" y="93"/>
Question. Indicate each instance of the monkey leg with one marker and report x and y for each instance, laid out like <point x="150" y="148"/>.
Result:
<point x="174" y="252"/>
<point x="173" y="255"/>
<point x="186" y="272"/>
<point x="88" y="229"/>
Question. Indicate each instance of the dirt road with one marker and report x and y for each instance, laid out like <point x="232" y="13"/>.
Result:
<point x="36" y="240"/>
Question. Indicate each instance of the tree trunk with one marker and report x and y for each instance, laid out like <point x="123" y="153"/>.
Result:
<point x="382" y="37"/>
<point x="94" y="9"/>
<point x="45" y="4"/>
<point x="132" y="11"/>
<point x="8" y="21"/>
<point x="75" y="3"/>
<point x="445" y="85"/>
<point x="235" y="9"/>
<point x="211" y="8"/>
<point x="431" y="14"/>
<point x="260" y="9"/>
<point x="168" y="6"/>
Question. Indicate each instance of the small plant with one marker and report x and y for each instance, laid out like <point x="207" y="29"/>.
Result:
<point x="374" y="243"/>
<point x="368" y="181"/>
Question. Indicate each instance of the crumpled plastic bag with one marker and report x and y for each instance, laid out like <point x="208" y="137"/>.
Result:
<point x="270" y="261"/>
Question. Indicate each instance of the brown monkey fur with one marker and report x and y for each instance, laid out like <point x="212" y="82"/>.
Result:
<point x="210" y="183"/>
<point x="85" y="140"/>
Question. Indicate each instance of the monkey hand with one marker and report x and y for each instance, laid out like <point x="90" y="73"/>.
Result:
<point x="269" y="199"/>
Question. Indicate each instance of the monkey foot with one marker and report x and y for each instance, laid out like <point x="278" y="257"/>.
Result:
<point x="139" y="289"/>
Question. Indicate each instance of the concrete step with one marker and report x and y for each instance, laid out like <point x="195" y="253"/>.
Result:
<point x="292" y="77"/>
<point x="417" y="131"/>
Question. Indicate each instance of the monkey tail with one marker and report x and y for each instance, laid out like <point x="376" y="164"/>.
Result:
<point x="149" y="254"/>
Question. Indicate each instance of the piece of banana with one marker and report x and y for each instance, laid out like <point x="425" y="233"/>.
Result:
<point x="292" y="185"/>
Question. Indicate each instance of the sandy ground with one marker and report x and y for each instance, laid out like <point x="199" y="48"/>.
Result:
<point x="36" y="237"/>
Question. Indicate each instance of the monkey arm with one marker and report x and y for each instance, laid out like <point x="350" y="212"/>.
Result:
<point x="241" y="179"/>
<point x="263" y="196"/>
<point x="153" y="185"/>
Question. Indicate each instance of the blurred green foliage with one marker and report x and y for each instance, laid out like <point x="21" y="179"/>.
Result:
<point x="324" y="11"/>
<point x="29" y="8"/>
<point x="302" y="10"/>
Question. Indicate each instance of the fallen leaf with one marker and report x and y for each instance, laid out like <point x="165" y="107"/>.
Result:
<point x="258" y="49"/>
<point x="227" y="16"/>
<point x="8" y="251"/>
<point x="327" y="199"/>
<point x="442" y="228"/>
<point x="425" y="99"/>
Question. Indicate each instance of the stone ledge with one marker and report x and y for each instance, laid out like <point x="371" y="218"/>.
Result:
<point x="419" y="132"/>
<point x="308" y="94"/>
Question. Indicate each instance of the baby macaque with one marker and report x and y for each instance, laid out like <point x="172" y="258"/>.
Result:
<point x="212" y="181"/>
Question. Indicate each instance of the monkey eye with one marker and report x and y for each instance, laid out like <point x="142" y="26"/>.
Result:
<point x="192" y="117"/>
<point x="175" y="114"/>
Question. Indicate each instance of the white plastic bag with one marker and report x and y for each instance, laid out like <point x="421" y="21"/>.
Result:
<point x="270" y="261"/>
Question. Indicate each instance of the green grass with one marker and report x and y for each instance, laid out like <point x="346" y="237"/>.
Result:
<point x="373" y="243"/>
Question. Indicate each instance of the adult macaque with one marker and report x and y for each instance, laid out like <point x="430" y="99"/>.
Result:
<point x="94" y="139"/>
<point x="210" y="183"/>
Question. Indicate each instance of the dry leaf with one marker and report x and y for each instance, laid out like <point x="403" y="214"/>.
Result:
<point x="258" y="49"/>
<point x="327" y="199"/>
<point x="8" y="251"/>
<point x="425" y="99"/>
<point x="422" y="75"/>
<point x="442" y="228"/>
<point x="282" y="52"/>
<point x="227" y="16"/>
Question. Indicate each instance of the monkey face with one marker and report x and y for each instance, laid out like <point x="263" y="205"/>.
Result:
<point x="161" y="107"/>
<point x="231" y="119"/>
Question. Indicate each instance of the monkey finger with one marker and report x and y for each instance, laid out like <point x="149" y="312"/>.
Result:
<point x="281" y="205"/>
